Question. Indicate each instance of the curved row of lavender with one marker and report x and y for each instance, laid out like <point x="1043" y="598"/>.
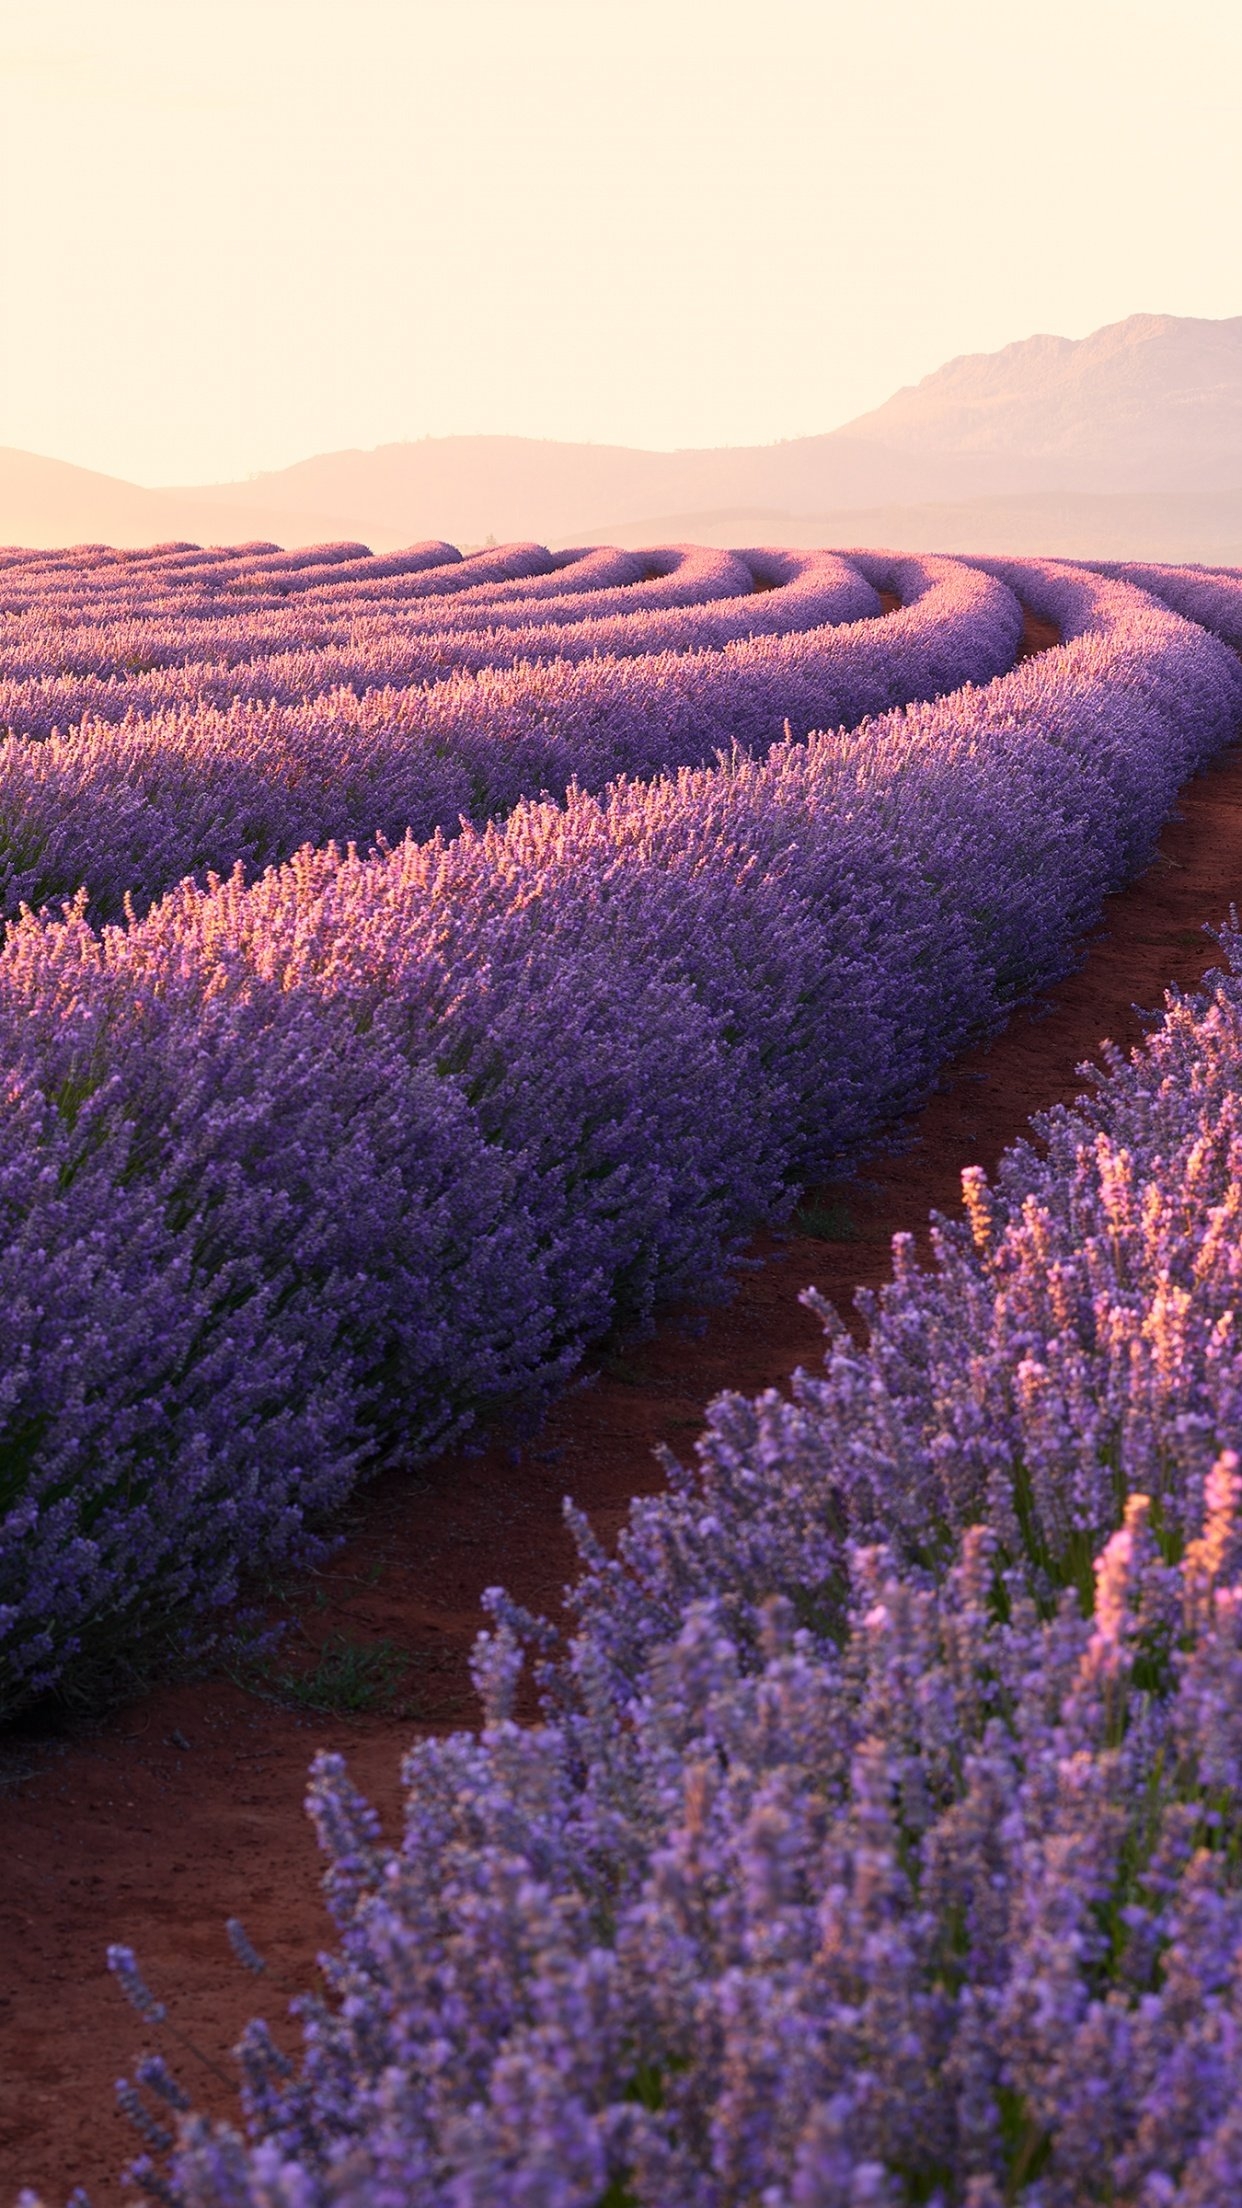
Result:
<point x="879" y="1843"/>
<point x="153" y="621"/>
<point x="213" y="762"/>
<point x="309" y="1173"/>
<point x="1211" y="596"/>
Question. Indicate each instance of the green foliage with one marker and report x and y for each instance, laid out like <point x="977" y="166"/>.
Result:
<point x="1027" y="2147"/>
<point x="348" y="1676"/>
<point x="826" y="1222"/>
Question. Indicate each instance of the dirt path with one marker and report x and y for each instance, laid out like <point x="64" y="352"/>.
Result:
<point x="185" y="1808"/>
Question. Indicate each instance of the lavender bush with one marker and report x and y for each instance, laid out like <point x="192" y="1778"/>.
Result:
<point x="879" y="1841"/>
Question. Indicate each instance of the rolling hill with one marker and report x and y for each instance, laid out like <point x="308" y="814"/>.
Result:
<point x="1128" y="441"/>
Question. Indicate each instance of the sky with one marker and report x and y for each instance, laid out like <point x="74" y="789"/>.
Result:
<point x="237" y="232"/>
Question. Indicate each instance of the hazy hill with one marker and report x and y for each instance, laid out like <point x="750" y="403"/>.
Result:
<point x="1150" y="404"/>
<point x="1128" y="441"/>
<point x="48" y="502"/>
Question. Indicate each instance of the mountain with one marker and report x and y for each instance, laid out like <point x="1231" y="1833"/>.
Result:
<point x="1150" y="404"/>
<point x="1127" y="441"/>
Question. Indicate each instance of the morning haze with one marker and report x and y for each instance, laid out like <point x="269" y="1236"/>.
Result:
<point x="279" y="228"/>
<point x="1126" y="442"/>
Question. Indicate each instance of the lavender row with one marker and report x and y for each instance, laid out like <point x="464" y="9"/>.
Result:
<point x="168" y="655"/>
<point x="228" y="615"/>
<point x="776" y="594"/>
<point x="129" y="810"/>
<point x="92" y="583"/>
<point x="879" y="1841"/>
<point x="313" y="1172"/>
<point x="84" y="577"/>
<point x="78" y="573"/>
<point x="1210" y="596"/>
<point x="711" y="600"/>
<point x="600" y="579"/>
<point x="234" y="607"/>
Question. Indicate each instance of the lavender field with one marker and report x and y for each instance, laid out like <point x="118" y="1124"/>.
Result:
<point x="421" y="969"/>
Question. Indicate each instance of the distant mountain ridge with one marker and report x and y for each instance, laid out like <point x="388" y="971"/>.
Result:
<point x="1129" y="440"/>
<point x="1153" y="403"/>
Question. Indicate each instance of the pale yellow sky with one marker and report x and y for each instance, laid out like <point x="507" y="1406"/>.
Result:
<point x="237" y="232"/>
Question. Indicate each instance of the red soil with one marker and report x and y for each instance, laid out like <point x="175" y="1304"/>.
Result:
<point x="154" y="1825"/>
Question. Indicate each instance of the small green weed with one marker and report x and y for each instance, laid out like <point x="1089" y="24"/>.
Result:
<point x="827" y="1222"/>
<point x="619" y="1368"/>
<point x="348" y="1676"/>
